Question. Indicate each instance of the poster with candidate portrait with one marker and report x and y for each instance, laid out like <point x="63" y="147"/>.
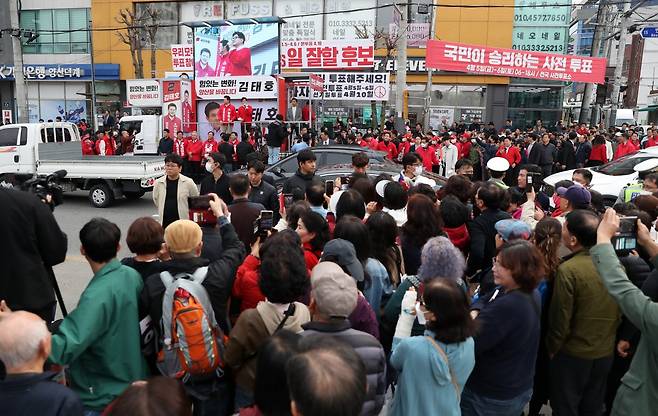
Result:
<point x="237" y="50"/>
<point x="172" y="111"/>
<point x="264" y="112"/>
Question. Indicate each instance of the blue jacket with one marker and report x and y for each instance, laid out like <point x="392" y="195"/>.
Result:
<point x="37" y="394"/>
<point x="424" y="382"/>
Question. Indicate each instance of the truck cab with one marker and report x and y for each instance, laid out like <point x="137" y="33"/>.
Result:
<point x="146" y="129"/>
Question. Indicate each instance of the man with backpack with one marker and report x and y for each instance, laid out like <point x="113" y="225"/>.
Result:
<point x="187" y="304"/>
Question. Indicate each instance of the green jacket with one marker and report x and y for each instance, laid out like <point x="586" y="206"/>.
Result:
<point x="100" y="340"/>
<point x="582" y="318"/>
<point x="639" y="387"/>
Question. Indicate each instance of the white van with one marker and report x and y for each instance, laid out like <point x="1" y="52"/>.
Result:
<point x="625" y="115"/>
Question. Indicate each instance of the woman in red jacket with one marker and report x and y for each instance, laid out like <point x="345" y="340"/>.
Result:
<point x="313" y="230"/>
<point x="599" y="154"/>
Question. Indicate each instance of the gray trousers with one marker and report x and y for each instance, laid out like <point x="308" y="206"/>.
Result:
<point x="577" y="386"/>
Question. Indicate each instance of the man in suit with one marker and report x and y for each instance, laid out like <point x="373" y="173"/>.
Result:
<point x="294" y="116"/>
<point x="243" y="212"/>
<point x="325" y="140"/>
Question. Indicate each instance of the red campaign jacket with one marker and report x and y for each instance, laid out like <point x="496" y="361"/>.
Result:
<point x="194" y="150"/>
<point x="651" y="142"/>
<point x="210" y="146"/>
<point x="403" y="148"/>
<point x="180" y="148"/>
<point x="305" y="113"/>
<point x="88" y="147"/>
<point x="623" y="149"/>
<point x="428" y="156"/>
<point x="104" y="146"/>
<point x="512" y="155"/>
<point x="464" y="148"/>
<point x="392" y="151"/>
<point x="227" y="113"/>
<point x="234" y="143"/>
<point x="245" y="113"/>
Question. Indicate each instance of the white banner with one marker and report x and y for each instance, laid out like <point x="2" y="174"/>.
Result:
<point x="198" y="11"/>
<point x="328" y="54"/>
<point x="182" y="58"/>
<point x="264" y="111"/>
<point x="214" y="88"/>
<point x="300" y="28"/>
<point x="417" y="33"/>
<point x="350" y="86"/>
<point x="343" y="25"/>
<point x="441" y="116"/>
<point x="143" y="92"/>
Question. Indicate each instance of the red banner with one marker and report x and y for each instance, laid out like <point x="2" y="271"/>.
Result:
<point x="476" y="59"/>
<point x="328" y="54"/>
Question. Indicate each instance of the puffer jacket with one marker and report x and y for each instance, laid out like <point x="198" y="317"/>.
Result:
<point x="370" y="351"/>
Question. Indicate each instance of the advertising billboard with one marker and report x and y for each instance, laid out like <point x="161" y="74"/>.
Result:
<point x="264" y="111"/>
<point x="143" y="92"/>
<point x="237" y="50"/>
<point x="477" y="59"/>
<point x="328" y="54"/>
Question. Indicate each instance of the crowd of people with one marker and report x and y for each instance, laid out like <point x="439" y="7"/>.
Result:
<point x="492" y="294"/>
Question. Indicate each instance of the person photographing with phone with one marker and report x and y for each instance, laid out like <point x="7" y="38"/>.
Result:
<point x="243" y="212"/>
<point x="637" y="393"/>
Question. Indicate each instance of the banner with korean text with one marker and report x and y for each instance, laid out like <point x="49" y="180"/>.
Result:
<point x="182" y="58"/>
<point x="327" y="54"/>
<point x="257" y="86"/>
<point x="476" y="59"/>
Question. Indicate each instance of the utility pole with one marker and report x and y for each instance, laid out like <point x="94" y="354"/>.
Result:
<point x="588" y="93"/>
<point x="401" y="73"/>
<point x="616" y="86"/>
<point x="93" y="80"/>
<point x="20" y="90"/>
<point x="428" y="87"/>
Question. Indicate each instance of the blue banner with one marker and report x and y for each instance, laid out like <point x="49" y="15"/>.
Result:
<point x="61" y="72"/>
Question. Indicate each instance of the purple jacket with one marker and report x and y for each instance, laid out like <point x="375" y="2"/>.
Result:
<point x="363" y="317"/>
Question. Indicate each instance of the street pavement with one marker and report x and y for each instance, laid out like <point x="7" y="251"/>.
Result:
<point x="74" y="274"/>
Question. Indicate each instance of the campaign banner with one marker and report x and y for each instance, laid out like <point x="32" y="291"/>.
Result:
<point x="236" y="87"/>
<point x="476" y="59"/>
<point x="308" y="27"/>
<point x="237" y="50"/>
<point x="264" y="111"/>
<point x="143" y="92"/>
<point x="172" y="111"/>
<point x="316" y="82"/>
<point x="441" y="116"/>
<point x="182" y="58"/>
<point x="327" y="54"/>
<point x="354" y="86"/>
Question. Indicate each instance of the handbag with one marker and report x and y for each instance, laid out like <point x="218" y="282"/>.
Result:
<point x="442" y="353"/>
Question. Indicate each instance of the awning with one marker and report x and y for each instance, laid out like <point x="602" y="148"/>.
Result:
<point x="649" y="108"/>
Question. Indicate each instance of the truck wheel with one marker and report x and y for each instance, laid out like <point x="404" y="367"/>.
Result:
<point x="133" y="195"/>
<point x="101" y="196"/>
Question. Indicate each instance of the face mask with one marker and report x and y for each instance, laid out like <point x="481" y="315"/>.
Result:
<point x="210" y="167"/>
<point x="418" y="170"/>
<point x="433" y="141"/>
<point x="420" y="315"/>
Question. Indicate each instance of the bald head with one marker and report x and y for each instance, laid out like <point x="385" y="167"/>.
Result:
<point x="24" y="342"/>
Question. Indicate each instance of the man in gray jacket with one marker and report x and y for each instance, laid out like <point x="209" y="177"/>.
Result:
<point x="333" y="298"/>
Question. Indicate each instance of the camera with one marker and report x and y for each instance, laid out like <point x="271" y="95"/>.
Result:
<point x="47" y="189"/>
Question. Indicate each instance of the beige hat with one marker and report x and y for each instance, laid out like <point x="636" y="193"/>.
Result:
<point x="182" y="236"/>
<point x="334" y="291"/>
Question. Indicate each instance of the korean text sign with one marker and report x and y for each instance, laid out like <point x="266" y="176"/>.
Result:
<point x="182" y="57"/>
<point x="459" y="57"/>
<point x="355" y="86"/>
<point x="328" y="54"/>
<point x="216" y="88"/>
<point x="143" y="92"/>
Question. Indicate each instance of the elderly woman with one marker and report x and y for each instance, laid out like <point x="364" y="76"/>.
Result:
<point x="439" y="259"/>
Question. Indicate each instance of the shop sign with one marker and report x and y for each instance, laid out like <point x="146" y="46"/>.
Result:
<point x="469" y="115"/>
<point x="541" y="26"/>
<point x="476" y="59"/>
<point x="300" y="28"/>
<point x="198" y="11"/>
<point x="243" y="9"/>
<point x="215" y="88"/>
<point x="344" y="25"/>
<point x="63" y="72"/>
<point x="182" y="57"/>
<point x="143" y="93"/>
<point x="327" y="54"/>
<point x="417" y="33"/>
<point x="414" y="64"/>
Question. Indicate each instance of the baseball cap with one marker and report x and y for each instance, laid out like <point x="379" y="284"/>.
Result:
<point x="498" y="164"/>
<point x="381" y="186"/>
<point x="182" y="236"/>
<point x="334" y="291"/>
<point x="513" y="229"/>
<point x="575" y="194"/>
<point x="345" y="256"/>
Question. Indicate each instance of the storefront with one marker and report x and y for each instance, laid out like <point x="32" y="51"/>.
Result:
<point x="65" y="90"/>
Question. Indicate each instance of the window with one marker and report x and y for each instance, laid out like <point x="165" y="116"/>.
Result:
<point x="336" y="158"/>
<point x="8" y="137"/>
<point x="622" y="166"/>
<point x="167" y="13"/>
<point x="61" y="31"/>
<point x="23" y="141"/>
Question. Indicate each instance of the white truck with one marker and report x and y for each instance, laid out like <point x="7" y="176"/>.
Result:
<point x="147" y="130"/>
<point x="43" y="148"/>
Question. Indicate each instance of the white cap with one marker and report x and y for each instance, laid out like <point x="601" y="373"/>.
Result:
<point x="498" y="164"/>
<point x="646" y="165"/>
<point x="381" y="185"/>
<point x="618" y="134"/>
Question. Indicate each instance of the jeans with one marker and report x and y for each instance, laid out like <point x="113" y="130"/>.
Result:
<point x="273" y="154"/>
<point x="217" y="400"/>
<point x="473" y="404"/>
<point x="577" y="385"/>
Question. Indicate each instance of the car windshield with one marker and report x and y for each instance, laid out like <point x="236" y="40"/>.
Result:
<point x="622" y="166"/>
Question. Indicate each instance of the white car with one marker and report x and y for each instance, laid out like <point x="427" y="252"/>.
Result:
<point x="610" y="178"/>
